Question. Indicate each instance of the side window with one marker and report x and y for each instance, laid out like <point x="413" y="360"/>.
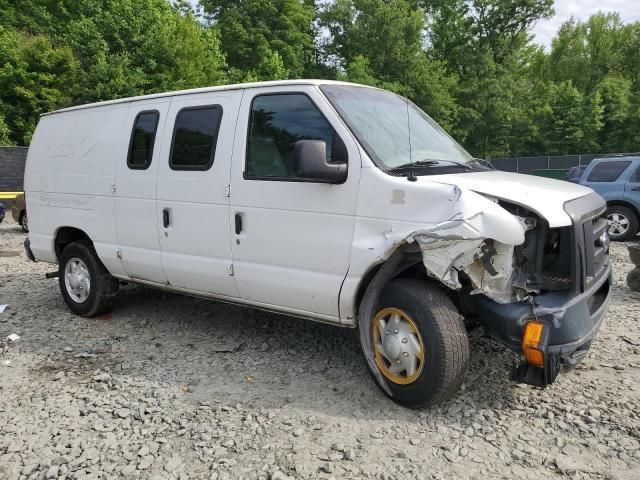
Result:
<point x="194" y="138"/>
<point x="142" y="140"/>
<point x="635" y="178"/>
<point x="607" y="171"/>
<point x="276" y="123"/>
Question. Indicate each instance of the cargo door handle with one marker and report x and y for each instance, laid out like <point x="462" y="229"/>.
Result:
<point x="238" y="220"/>
<point x="636" y="189"/>
<point x="165" y="217"/>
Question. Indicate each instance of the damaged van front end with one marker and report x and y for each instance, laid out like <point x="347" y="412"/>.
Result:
<point x="531" y="265"/>
<point x="439" y="235"/>
<point x="539" y="290"/>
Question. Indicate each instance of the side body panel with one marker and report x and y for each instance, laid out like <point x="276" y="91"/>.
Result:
<point x="69" y="177"/>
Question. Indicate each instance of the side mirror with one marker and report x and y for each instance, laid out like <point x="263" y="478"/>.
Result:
<point x="310" y="161"/>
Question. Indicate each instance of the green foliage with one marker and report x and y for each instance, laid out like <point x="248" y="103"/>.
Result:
<point x="34" y="77"/>
<point x="380" y="42"/>
<point x="4" y="132"/>
<point x="254" y="31"/>
<point x="470" y="64"/>
<point x="569" y="121"/>
<point x="91" y="50"/>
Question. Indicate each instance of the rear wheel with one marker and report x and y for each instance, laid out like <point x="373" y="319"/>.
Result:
<point x="420" y="345"/>
<point x="24" y="222"/>
<point x="87" y="287"/>
<point x="623" y="223"/>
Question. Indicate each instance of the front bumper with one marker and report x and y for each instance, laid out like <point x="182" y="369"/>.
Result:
<point x="573" y="321"/>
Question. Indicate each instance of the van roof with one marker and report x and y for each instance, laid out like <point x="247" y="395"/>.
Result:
<point x="235" y="86"/>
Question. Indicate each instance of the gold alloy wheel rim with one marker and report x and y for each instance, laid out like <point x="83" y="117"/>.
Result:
<point x="398" y="347"/>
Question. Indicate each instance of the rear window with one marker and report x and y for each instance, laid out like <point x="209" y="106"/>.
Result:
<point x="194" y="138"/>
<point x="608" y="171"/>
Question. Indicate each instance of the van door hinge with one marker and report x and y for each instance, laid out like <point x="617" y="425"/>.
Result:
<point x="113" y="187"/>
<point x="230" y="270"/>
<point x="227" y="190"/>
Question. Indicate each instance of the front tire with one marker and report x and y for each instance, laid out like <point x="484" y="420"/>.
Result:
<point x="87" y="287"/>
<point x="623" y="223"/>
<point x="421" y="348"/>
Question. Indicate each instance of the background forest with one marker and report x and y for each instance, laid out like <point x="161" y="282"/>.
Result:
<point x="470" y="64"/>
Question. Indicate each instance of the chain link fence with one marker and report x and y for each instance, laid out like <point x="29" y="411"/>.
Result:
<point x="12" y="161"/>
<point x="549" y="162"/>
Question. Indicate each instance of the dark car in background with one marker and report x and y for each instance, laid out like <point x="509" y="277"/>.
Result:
<point x="1" y="212"/>
<point x="617" y="180"/>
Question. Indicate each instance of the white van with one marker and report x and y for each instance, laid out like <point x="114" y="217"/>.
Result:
<point x="327" y="201"/>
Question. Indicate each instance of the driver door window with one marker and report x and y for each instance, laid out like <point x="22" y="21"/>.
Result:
<point x="276" y="123"/>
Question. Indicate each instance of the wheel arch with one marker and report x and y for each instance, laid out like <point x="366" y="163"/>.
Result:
<point x="67" y="235"/>
<point x="624" y="203"/>
<point x="409" y="263"/>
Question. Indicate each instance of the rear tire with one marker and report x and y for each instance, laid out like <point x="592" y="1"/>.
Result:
<point x="87" y="287"/>
<point x="633" y="279"/>
<point x="433" y="322"/>
<point x="24" y="222"/>
<point x="623" y="223"/>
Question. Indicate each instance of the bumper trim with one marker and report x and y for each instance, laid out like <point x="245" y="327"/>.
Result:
<point x="574" y="321"/>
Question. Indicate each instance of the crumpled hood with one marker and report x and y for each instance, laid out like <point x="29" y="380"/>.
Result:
<point x="544" y="196"/>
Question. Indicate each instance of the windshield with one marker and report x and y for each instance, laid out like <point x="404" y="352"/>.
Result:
<point x="392" y="130"/>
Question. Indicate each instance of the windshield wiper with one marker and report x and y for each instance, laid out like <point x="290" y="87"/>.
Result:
<point x="426" y="163"/>
<point x="483" y="163"/>
<point x="419" y="163"/>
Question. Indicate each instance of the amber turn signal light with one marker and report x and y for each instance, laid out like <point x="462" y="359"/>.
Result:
<point x="533" y="343"/>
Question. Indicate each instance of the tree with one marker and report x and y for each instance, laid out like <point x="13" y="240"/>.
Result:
<point x="91" y="50"/>
<point x="253" y="30"/>
<point x="569" y="121"/>
<point x="381" y="43"/>
<point x="616" y="95"/>
<point x="4" y="131"/>
<point x="586" y="52"/>
<point x="487" y="44"/>
<point x="35" y="77"/>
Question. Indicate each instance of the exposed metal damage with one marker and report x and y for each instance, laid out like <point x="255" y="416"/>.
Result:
<point x="457" y="245"/>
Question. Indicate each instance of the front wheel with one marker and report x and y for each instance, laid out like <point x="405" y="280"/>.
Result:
<point x="420" y="346"/>
<point x="87" y="287"/>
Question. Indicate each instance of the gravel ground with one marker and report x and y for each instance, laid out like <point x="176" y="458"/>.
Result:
<point x="173" y="387"/>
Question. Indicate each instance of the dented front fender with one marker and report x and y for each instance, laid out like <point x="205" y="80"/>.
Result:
<point x="456" y="229"/>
